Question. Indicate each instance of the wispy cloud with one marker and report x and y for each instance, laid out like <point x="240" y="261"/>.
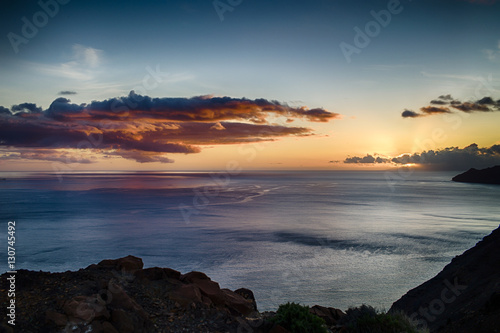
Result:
<point x="493" y="54"/>
<point x="67" y="92"/>
<point x="83" y="65"/>
<point x="452" y="76"/>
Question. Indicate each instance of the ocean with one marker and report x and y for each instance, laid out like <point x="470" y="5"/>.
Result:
<point x="337" y="238"/>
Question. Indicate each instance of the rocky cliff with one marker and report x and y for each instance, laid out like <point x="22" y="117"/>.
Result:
<point x="464" y="296"/>
<point x="483" y="176"/>
<point x="120" y="296"/>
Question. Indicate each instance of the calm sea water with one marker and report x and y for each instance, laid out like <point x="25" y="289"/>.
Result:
<point x="331" y="238"/>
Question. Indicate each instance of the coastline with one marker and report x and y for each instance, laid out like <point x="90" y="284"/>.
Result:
<point x="120" y="295"/>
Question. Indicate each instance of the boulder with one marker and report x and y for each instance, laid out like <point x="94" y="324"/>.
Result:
<point x="120" y="300"/>
<point x="236" y="303"/>
<point x="157" y="273"/>
<point x="186" y="294"/>
<point x="191" y="276"/>
<point x="128" y="264"/>
<point x="248" y="295"/>
<point x="329" y="315"/>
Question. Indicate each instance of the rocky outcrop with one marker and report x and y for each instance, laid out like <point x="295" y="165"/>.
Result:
<point x="120" y="296"/>
<point x="331" y="316"/>
<point x="464" y="296"/>
<point x="483" y="176"/>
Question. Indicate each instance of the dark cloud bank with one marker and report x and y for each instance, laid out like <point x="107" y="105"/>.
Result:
<point x="452" y="158"/>
<point x="144" y="128"/>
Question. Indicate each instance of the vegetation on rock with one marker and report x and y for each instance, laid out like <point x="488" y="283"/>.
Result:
<point x="366" y="319"/>
<point x="297" y="318"/>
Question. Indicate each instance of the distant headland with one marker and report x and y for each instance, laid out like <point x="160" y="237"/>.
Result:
<point x="483" y="176"/>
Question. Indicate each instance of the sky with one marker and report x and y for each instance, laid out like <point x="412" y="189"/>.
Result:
<point x="206" y="85"/>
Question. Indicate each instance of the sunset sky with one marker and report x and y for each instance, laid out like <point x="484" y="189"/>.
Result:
<point x="198" y="85"/>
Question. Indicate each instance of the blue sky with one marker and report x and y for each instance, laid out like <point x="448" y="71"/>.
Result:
<point x="287" y="51"/>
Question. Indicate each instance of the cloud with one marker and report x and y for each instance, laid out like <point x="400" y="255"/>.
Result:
<point x="200" y="108"/>
<point x="452" y="158"/>
<point x="493" y="55"/>
<point x="87" y="55"/>
<point x="410" y="114"/>
<point x="368" y="159"/>
<point x="26" y="108"/>
<point x="434" y="110"/>
<point x="446" y="97"/>
<point x="145" y="129"/>
<point x="83" y="64"/>
<point x="67" y="92"/>
<point x="448" y="104"/>
<point x="218" y="126"/>
<point x="472" y="107"/>
<point x="4" y="110"/>
<point x="52" y="155"/>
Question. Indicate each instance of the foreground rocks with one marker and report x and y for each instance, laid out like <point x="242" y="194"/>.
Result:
<point x="464" y="296"/>
<point x="120" y="296"/>
<point x="483" y="176"/>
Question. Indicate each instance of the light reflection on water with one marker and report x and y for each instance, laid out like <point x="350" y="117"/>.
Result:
<point x="330" y="238"/>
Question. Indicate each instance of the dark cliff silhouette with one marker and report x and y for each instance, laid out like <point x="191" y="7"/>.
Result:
<point x="483" y="176"/>
<point x="464" y="296"/>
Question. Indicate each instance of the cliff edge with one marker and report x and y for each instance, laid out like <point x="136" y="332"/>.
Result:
<point x="464" y="296"/>
<point x="483" y="176"/>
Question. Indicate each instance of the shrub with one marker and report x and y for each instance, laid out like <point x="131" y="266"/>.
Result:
<point x="297" y="319"/>
<point x="366" y="319"/>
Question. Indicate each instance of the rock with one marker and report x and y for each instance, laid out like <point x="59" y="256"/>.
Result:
<point x="186" y="294"/>
<point x="211" y="290"/>
<point x="462" y="297"/>
<point x="247" y="294"/>
<point x="483" y="176"/>
<point x="237" y="303"/>
<point x="84" y="309"/>
<point x="120" y="299"/>
<point x="107" y="327"/>
<point x="191" y="276"/>
<point x="78" y="310"/>
<point x="101" y="298"/>
<point x="56" y="318"/>
<point x="157" y="273"/>
<point x="128" y="264"/>
<point x="122" y="321"/>
<point x="330" y="315"/>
